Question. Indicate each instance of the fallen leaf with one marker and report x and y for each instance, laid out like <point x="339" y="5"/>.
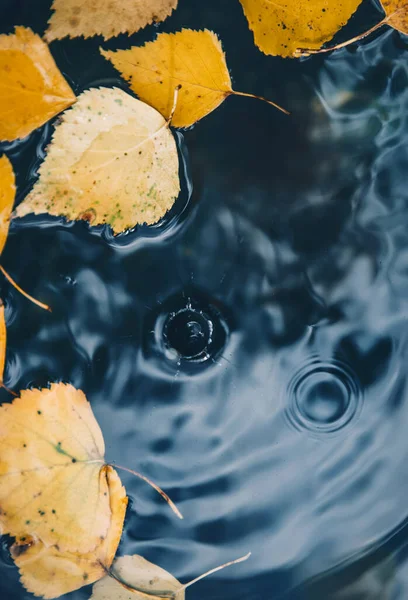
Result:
<point x="397" y="14"/>
<point x="74" y="18"/>
<point x="193" y="60"/>
<point x="135" y="578"/>
<point x="49" y="573"/>
<point x="7" y="196"/>
<point x="32" y="89"/>
<point x="135" y="573"/>
<point x="3" y="341"/>
<point x="112" y="160"/>
<point x="280" y="28"/>
<point x="53" y="478"/>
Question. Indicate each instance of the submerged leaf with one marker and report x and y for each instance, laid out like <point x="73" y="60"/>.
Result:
<point x="48" y="572"/>
<point x="7" y="196"/>
<point x="280" y="28"/>
<point x="32" y="89"/>
<point x="105" y="17"/>
<point x="53" y="478"/>
<point x="133" y="573"/>
<point x="191" y="60"/>
<point x="112" y="160"/>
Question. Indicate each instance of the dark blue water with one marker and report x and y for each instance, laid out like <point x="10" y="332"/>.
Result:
<point x="248" y="353"/>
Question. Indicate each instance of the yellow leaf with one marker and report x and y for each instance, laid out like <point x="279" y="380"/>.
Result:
<point x="131" y="574"/>
<point x="3" y="341"/>
<point x="7" y="196"/>
<point x="191" y="59"/>
<point x="280" y="28"/>
<point x="397" y="11"/>
<point x="48" y="572"/>
<point x="32" y="90"/>
<point x="112" y="160"/>
<point x="105" y="17"/>
<point x="53" y="479"/>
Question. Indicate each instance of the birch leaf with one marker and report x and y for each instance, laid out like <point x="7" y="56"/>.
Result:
<point x="32" y="89"/>
<point x="132" y="573"/>
<point x="191" y="60"/>
<point x="49" y="573"/>
<point x="397" y="11"/>
<point x="53" y="477"/>
<point x="7" y="196"/>
<point x="112" y="160"/>
<point x="74" y="18"/>
<point x="280" y="28"/>
<point x="3" y="341"/>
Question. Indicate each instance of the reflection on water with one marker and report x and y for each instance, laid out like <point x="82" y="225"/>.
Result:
<point x="248" y="353"/>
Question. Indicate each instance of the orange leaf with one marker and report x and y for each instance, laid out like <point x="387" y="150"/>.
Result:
<point x="3" y="341"/>
<point x="32" y="89"/>
<point x="7" y="196"/>
<point x="397" y="13"/>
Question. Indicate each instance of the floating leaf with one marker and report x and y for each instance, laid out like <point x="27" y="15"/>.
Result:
<point x="132" y="573"/>
<point x="280" y="28"/>
<point x="112" y="160"/>
<point x="135" y="578"/>
<point x="397" y="14"/>
<point x="54" y="483"/>
<point x="105" y="17"/>
<point x="193" y="60"/>
<point x="3" y="341"/>
<point x="53" y="478"/>
<point x="48" y="572"/>
<point x="7" y="196"/>
<point x="32" y="89"/>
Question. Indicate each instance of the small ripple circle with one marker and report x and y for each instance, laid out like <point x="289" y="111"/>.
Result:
<point x="323" y="397"/>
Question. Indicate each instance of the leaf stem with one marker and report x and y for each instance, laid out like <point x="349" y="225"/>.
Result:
<point x="175" y="99"/>
<point x="19" y="289"/>
<point x="173" y="594"/>
<point x="154" y="486"/>
<point x="263" y="100"/>
<point x="211" y="571"/>
<point x="306" y="52"/>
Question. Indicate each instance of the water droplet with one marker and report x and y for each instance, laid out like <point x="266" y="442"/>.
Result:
<point x="323" y="396"/>
<point x="189" y="332"/>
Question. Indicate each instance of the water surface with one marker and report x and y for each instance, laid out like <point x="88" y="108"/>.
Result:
<point x="249" y="353"/>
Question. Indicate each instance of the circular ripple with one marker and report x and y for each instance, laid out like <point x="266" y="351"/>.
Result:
<point x="189" y="332"/>
<point x="323" y="397"/>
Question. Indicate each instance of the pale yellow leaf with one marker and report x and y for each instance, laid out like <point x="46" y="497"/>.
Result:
<point x="136" y="578"/>
<point x="32" y="89"/>
<point x="112" y="160"/>
<point x="49" y="572"/>
<point x="109" y="18"/>
<point x="53" y="478"/>
<point x="281" y="27"/>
